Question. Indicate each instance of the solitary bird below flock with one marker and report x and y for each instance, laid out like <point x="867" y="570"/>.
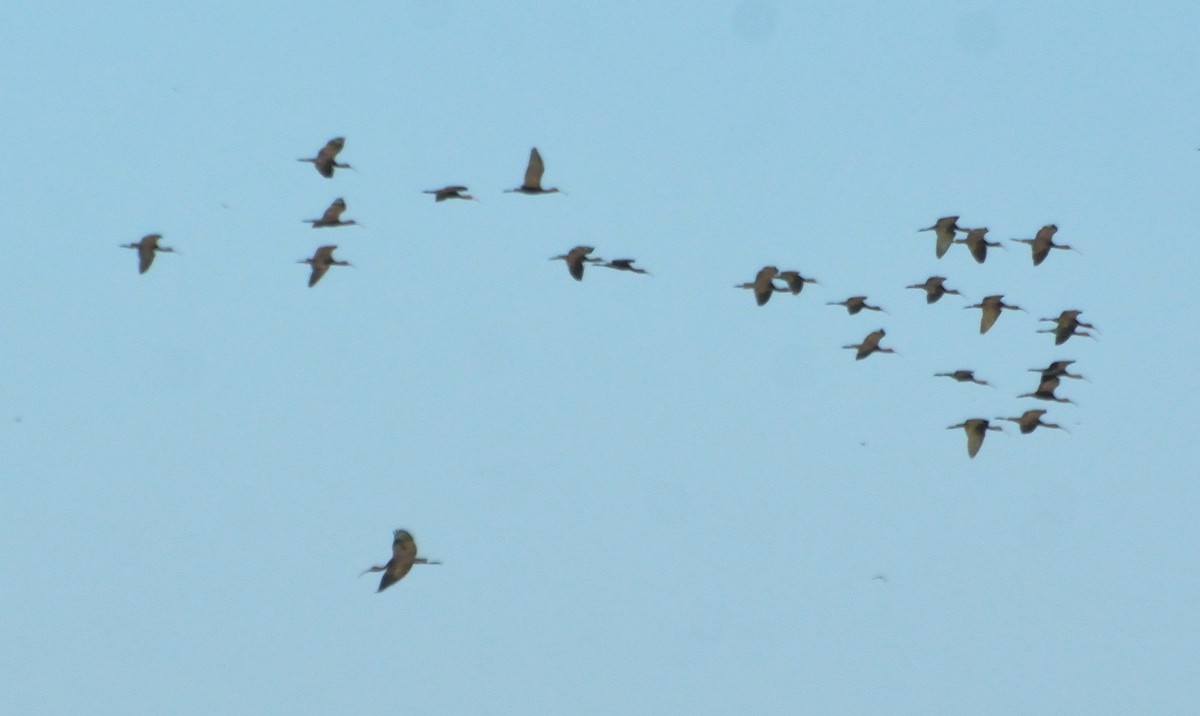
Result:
<point x="795" y="282"/>
<point x="763" y="284"/>
<point x="1042" y="242"/>
<point x="992" y="305"/>
<point x="326" y="159"/>
<point x="870" y="345"/>
<point x="576" y="258"/>
<point x="624" y="265"/>
<point x="944" y="229"/>
<point x="146" y="249"/>
<point x="332" y="216"/>
<point x="533" y="177"/>
<point x="934" y="288"/>
<point x="976" y="429"/>
<point x="404" y="556"/>
<point x="450" y="192"/>
<point x="320" y="262"/>
<point x="855" y="305"/>
<point x="978" y="244"/>
<point x="1031" y="420"/>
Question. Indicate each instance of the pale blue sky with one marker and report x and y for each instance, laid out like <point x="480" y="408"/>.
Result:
<point x="650" y="495"/>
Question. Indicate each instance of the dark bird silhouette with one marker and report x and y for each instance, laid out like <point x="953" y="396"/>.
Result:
<point x="332" y="216"/>
<point x="795" y="282"/>
<point x="1030" y="420"/>
<point x="1042" y="242"/>
<point x="450" y="192"/>
<point x="404" y="556"/>
<point x="624" y="265"/>
<point x="944" y="230"/>
<point x="1067" y="324"/>
<point x="326" y="159"/>
<point x="763" y="284"/>
<point x="976" y="429"/>
<point x="870" y="345"/>
<point x="146" y="249"/>
<point x="1058" y="369"/>
<point x="977" y="243"/>
<point x="1045" y="391"/>
<point x="992" y="305"/>
<point x="320" y="262"/>
<point x="963" y="376"/>
<point x="576" y="258"/>
<point x="934" y="288"/>
<point x="855" y="305"/>
<point x="533" y="177"/>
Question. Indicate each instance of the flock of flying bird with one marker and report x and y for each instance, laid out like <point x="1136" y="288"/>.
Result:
<point x="946" y="230"/>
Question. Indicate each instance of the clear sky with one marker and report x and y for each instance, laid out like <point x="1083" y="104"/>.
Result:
<point x="650" y="495"/>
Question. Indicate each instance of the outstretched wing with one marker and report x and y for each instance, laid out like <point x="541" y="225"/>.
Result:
<point x="533" y="172"/>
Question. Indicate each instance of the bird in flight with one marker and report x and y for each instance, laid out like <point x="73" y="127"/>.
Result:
<point x="855" y="305"/>
<point x="533" y="177"/>
<point x="450" y="192"/>
<point x="326" y="159"/>
<point x="332" y="216"/>
<point x="763" y="284"/>
<point x="1042" y="242"/>
<point x="320" y="262"/>
<point x="576" y="258"/>
<point x="624" y="265"/>
<point x="870" y="345"/>
<point x="992" y="305"/>
<point x="1031" y="420"/>
<point x="976" y="429"/>
<point x="795" y="282"/>
<point x="978" y="244"/>
<point x="404" y="556"/>
<point x="146" y="249"/>
<point x="934" y="288"/>
<point x="944" y="229"/>
<point x="963" y="376"/>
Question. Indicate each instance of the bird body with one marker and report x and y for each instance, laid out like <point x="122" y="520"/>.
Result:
<point x="321" y="260"/>
<point x="1045" y="391"/>
<point x="870" y="345"/>
<point x="146" y="249"/>
<point x="332" y="216"/>
<point x="576" y="258"/>
<point x="934" y="288"/>
<point x="976" y="429"/>
<point x="944" y="229"/>
<point x="763" y="284"/>
<point x="1057" y="369"/>
<point x="992" y="305"/>
<point x="963" y="376"/>
<point x="977" y="243"/>
<point x="1030" y="420"/>
<point x="533" y="176"/>
<point x="624" y="265"/>
<point x="1042" y="242"/>
<point x="855" y="305"/>
<point x="795" y="282"/>
<point x="326" y="159"/>
<point x="404" y="556"/>
<point x="1067" y="324"/>
<point x="450" y="192"/>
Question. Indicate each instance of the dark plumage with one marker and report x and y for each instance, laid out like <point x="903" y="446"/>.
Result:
<point x="404" y="556"/>
<point x="326" y="159"/>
